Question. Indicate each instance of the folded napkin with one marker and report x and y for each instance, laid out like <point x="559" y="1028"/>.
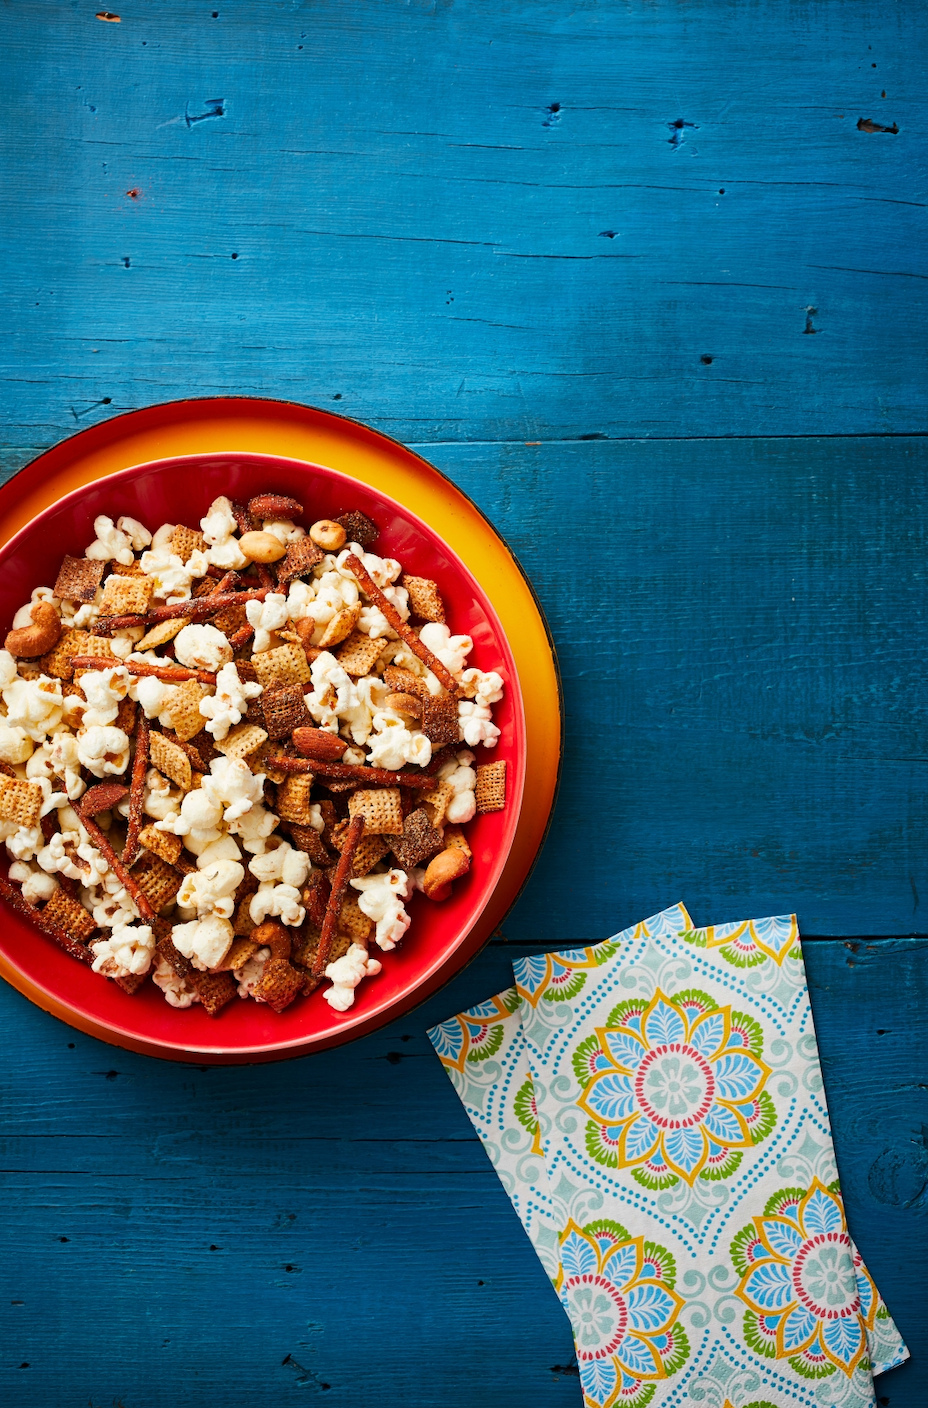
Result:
<point x="653" y="1106"/>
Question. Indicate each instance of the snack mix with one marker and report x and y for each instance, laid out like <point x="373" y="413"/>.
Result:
<point x="228" y="758"/>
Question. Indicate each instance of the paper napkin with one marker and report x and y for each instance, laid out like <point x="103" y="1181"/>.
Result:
<point x="681" y="1194"/>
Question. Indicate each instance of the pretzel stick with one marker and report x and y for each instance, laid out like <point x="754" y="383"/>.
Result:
<point x="241" y="637"/>
<point x="382" y="777"/>
<point x="115" y="864"/>
<point x="174" y="674"/>
<point x="130" y="851"/>
<point x="404" y="631"/>
<point x="339" y="885"/>
<point x="36" y="916"/>
<point x="197" y="606"/>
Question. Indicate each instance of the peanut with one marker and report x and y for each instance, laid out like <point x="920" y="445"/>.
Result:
<point x="262" y="547"/>
<point x="327" y="535"/>
<point x="447" y="866"/>
<point x="40" y="637"/>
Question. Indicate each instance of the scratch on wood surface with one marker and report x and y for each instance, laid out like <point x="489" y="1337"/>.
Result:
<point x="866" y="124"/>
<point x="108" y="16"/>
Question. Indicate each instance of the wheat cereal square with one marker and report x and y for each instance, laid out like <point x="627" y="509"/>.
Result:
<point x="358" y="654"/>
<point x="57" y="662"/>
<point x="440" y="720"/>
<point x="185" y="542"/>
<point x="381" y="808"/>
<point x="185" y="710"/>
<point x="286" y="664"/>
<point x="284" y="709"/>
<point x="170" y="760"/>
<point x="358" y="528"/>
<point x="424" y="598"/>
<point x="455" y="840"/>
<point x="161" y="843"/>
<point x="71" y="916"/>
<point x="20" y="801"/>
<point x="353" y="921"/>
<point x="308" y="839"/>
<point x="293" y="798"/>
<point x="279" y="984"/>
<point x="126" y="596"/>
<point x="490" y="791"/>
<point x="165" y="952"/>
<point x="100" y="646"/>
<point x="242" y="949"/>
<point x="370" y="850"/>
<point x="302" y="557"/>
<point x="126" y="569"/>
<point x="241" y="741"/>
<point x="78" y="579"/>
<point x="131" y="982"/>
<point x="419" y="841"/>
<point x="213" y="989"/>
<point x="436" y="803"/>
<point x="162" y="633"/>
<point x="157" y="880"/>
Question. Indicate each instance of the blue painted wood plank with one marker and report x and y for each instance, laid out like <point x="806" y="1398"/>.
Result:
<point x="462" y="224"/>
<point x="247" y="1236"/>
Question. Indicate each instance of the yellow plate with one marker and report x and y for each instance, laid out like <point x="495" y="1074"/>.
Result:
<point x="300" y="432"/>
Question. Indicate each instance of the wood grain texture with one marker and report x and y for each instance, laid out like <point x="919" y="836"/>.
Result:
<point x="469" y="223"/>
<point x="190" y="1236"/>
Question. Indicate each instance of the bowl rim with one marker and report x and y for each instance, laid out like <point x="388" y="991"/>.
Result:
<point x="377" y="1014"/>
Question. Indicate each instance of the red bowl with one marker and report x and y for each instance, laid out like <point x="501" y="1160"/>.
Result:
<point x="181" y="490"/>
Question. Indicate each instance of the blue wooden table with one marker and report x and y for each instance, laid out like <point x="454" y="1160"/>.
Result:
<point x="644" y="277"/>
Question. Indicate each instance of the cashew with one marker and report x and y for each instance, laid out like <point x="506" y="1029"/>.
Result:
<point x="447" y="866"/>
<point x="328" y="535"/>
<point x="273" y="936"/>
<point x="43" y="635"/>
<point x="262" y="547"/>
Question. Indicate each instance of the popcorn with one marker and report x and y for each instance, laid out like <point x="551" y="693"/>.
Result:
<point x="283" y="864"/>
<point x="198" y="820"/>
<point x="233" y="787"/>
<point x="253" y="828"/>
<point x="138" y="535"/>
<point x="345" y="974"/>
<point x="475" y="724"/>
<point x="210" y="890"/>
<point x="266" y="616"/>
<point x="177" y="993"/>
<point x="202" y="648"/>
<point x="104" y="690"/>
<point x="110" y="544"/>
<point x="67" y="853"/>
<point x="103" y="751"/>
<point x="127" y="951"/>
<point x="286" y="531"/>
<point x="381" y="899"/>
<point x="372" y="622"/>
<point x="15" y="744"/>
<point x="204" y="941"/>
<point x="171" y="575"/>
<point x="218" y="528"/>
<point x="36" y="885"/>
<point x="161" y="799"/>
<point x="392" y="744"/>
<point x="155" y="697"/>
<point x="451" y="650"/>
<point x="8" y="669"/>
<point x="328" y="675"/>
<point x="277" y="902"/>
<point x="35" y="706"/>
<point x="483" y="688"/>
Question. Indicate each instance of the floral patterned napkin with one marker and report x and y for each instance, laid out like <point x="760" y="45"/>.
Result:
<point x="653" y="1107"/>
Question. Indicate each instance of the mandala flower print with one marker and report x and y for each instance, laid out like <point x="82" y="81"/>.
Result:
<point x="745" y="945"/>
<point x="806" y="1299"/>
<point x="474" y="1035"/>
<point x="526" y="1112"/>
<point x="674" y="1089"/>
<point x="619" y="1294"/>
<point x="557" y="977"/>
